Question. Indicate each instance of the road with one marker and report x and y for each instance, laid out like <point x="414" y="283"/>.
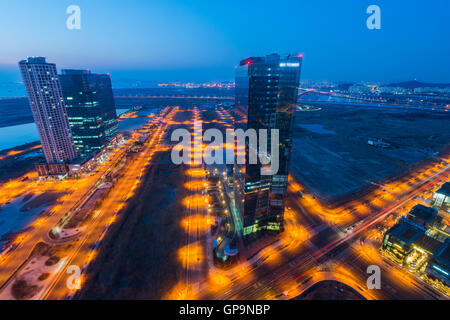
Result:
<point x="85" y="245"/>
<point x="265" y="281"/>
<point x="316" y="244"/>
<point x="12" y="259"/>
<point x="194" y="254"/>
<point x="271" y="281"/>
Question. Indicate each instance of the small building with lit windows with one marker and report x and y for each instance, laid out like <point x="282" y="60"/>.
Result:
<point x="442" y="196"/>
<point x="439" y="265"/>
<point x="51" y="169"/>
<point x="398" y="242"/>
<point x="427" y="244"/>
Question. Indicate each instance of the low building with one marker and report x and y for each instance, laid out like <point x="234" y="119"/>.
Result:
<point x="442" y="196"/>
<point x="79" y="166"/>
<point x="399" y="240"/>
<point x="57" y="169"/>
<point x="51" y="169"/>
<point x="427" y="244"/>
<point x="439" y="265"/>
<point x="423" y="215"/>
<point x="42" y="169"/>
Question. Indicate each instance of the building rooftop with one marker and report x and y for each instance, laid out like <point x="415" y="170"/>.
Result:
<point x="274" y="57"/>
<point x="36" y="60"/>
<point x="407" y="231"/>
<point x="442" y="254"/>
<point x="427" y="243"/>
<point x="421" y="212"/>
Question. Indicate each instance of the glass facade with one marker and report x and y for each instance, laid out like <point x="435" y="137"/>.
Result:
<point x="267" y="87"/>
<point x="101" y="84"/>
<point x="90" y="108"/>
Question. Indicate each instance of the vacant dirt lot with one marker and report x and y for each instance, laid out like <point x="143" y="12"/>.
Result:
<point x="331" y="155"/>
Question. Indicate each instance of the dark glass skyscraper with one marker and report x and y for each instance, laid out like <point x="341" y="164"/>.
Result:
<point x="49" y="112"/>
<point x="101" y="85"/>
<point x="267" y="87"/>
<point x="91" y="110"/>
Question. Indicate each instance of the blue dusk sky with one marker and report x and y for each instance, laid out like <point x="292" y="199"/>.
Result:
<point x="201" y="40"/>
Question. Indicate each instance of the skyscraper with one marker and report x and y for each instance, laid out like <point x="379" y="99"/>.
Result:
<point x="101" y="84"/>
<point x="90" y="108"/>
<point x="267" y="87"/>
<point x="49" y="112"/>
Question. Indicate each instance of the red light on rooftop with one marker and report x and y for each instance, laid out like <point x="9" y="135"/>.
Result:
<point x="300" y="56"/>
<point x="248" y="62"/>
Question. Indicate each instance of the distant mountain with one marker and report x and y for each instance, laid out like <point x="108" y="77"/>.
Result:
<point x="417" y="84"/>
